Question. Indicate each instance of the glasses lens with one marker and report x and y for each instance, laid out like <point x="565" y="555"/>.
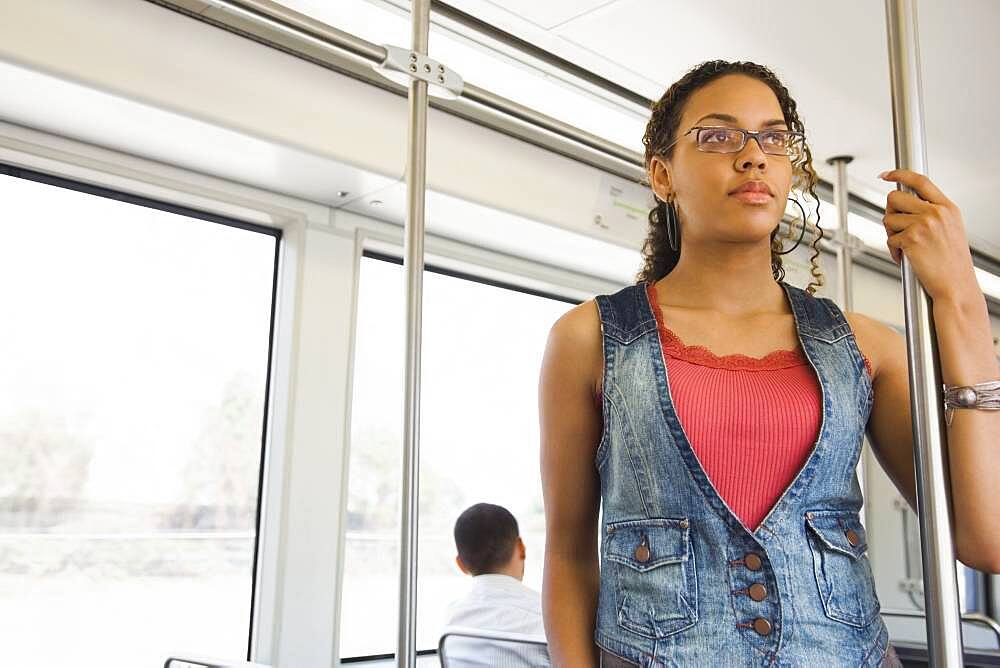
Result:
<point x="776" y="142"/>
<point x="779" y="142"/>
<point x="720" y="140"/>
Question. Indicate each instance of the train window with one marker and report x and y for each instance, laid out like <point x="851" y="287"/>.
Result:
<point x="134" y="356"/>
<point x="482" y="352"/>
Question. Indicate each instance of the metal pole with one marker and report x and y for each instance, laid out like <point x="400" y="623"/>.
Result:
<point x="944" y="633"/>
<point x="413" y="251"/>
<point x="278" y="17"/>
<point x="264" y="19"/>
<point x="844" y="250"/>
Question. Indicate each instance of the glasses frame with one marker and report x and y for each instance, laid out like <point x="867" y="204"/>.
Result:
<point x="798" y="139"/>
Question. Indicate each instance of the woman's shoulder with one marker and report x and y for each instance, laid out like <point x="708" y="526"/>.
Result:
<point x="868" y="327"/>
<point x="579" y="328"/>
<point x="575" y="351"/>
<point x="877" y="341"/>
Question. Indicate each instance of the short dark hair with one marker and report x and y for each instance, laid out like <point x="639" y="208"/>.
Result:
<point x="485" y="536"/>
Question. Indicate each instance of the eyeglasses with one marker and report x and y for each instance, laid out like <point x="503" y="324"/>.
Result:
<point x="711" y="139"/>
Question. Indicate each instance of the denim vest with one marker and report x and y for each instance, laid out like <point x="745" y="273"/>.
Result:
<point x="683" y="581"/>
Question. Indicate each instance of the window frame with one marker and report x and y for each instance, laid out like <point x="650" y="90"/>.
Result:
<point x="277" y="235"/>
<point x="311" y="367"/>
<point x="129" y="178"/>
<point x="445" y="270"/>
<point x="379" y="254"/>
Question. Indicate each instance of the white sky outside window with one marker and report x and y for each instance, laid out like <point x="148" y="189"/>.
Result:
<point x="488" y="69"/>
<point x="134" y="359"/>
<point x="482" y="354"/>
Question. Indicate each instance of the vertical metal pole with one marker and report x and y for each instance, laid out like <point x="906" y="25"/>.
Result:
<point x="944" y="633"/>
<point x="845" y="265"/>
<point x="991" y="595"/>
<point x="844" y="250"/>
<point x="416" y="180"/>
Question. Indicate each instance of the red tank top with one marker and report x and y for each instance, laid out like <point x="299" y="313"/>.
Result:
<point x="752" y="422"/>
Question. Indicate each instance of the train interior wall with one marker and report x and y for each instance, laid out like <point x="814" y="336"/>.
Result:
<point x="131" y="96"/>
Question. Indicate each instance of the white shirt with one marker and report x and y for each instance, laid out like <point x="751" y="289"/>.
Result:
<point x="497" y="603"/>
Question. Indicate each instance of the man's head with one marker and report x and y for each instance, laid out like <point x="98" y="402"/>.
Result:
<point x="488" y="541"/>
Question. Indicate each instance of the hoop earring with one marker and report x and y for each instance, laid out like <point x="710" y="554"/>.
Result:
<point x="673" y="230"/>
<point x="801" y="234"/>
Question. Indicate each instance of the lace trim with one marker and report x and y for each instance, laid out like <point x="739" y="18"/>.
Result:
<point x="674" y="347"/>
<point x="702" y="356"/>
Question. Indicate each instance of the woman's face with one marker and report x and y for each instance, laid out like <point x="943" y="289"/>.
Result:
<point x="702" y="184"/>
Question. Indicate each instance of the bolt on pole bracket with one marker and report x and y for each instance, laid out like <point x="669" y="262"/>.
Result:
<point x="403" y="65"/>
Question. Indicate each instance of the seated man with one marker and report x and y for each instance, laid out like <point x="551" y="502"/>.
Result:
<point x="490" y="549"/>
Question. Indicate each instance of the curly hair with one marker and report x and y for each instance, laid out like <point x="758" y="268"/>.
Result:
<point x="659" y="259"/>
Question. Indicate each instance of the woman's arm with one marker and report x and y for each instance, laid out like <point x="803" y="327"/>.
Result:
<point x="570" y="431"/>
<point x="928" y="228"/>
<point x="966" y="358"/>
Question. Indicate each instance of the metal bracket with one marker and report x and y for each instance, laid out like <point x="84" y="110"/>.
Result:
<point x="403" y="65"/>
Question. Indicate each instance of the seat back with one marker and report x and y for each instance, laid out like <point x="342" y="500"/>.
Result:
<point x="978" y="631"/>
<point x="201" y="662"/>
<point x="462" y="647"/>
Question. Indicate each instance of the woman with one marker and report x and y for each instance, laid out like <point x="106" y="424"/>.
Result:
<point x="715" y="415"/>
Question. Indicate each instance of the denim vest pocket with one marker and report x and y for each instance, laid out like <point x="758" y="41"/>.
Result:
<point x="657" y="592"/>
<point x="843" y="575"/>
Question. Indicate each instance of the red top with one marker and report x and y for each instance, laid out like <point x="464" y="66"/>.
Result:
<point x="751" y="421"/>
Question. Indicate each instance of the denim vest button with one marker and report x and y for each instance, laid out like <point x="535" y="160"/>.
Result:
<point x="642" y="552"/>
<point x="762" y="626"/>
<point x="758" y="592"/>
<point x="852" y="538"/>
<point x="752" y="561"/>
